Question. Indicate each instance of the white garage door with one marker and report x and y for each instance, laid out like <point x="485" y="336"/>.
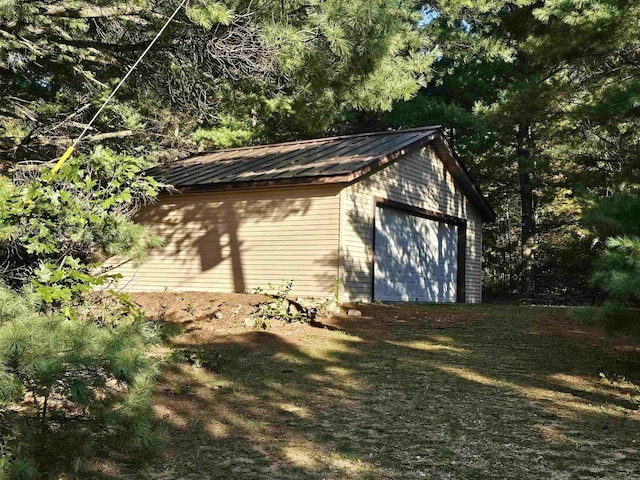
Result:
<point x="415" y="258"/>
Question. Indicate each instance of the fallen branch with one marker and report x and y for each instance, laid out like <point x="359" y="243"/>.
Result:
<point x="106" y="136"/>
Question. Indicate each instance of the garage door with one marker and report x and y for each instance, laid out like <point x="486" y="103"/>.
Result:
<point x="415" y="258"/>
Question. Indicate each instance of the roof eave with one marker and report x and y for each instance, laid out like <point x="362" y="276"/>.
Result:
<point x="261" y="184"/>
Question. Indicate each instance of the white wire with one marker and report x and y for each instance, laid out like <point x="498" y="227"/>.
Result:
<point x="124" y="79"/>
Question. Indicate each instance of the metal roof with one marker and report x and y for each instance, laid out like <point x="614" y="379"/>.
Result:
<point x="325" y="160"/>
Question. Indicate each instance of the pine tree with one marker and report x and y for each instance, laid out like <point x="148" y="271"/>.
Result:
<point x="616" y="219"/>
<point x="73" y="355"/>
<point x="231" y="72"/>
<point x="540" y="96"/>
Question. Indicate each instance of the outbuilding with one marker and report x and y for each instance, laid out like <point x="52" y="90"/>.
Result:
<point x="390" y="216"/>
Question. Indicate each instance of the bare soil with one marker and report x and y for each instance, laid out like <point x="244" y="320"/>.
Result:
<point x="401" y="392"/>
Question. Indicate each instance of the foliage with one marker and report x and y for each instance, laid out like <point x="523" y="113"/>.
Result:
<point x="335" y="290"/>
<point x="80" y="377"/>
<point x="540" y="98"/>
<point x="228" y="133"/>
<point x="278" y="307"/>
<point x="614" y="215"/>
<point x="228" y="71"/>
<point x="74" y="363"/>
<point x="54" y="227"/>
<point x="617" y="270"/>
<point x="201" y="357"/>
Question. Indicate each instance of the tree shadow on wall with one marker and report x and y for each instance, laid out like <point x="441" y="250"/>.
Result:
<point x="197" y="226"/>
<point x="422" y="280"/>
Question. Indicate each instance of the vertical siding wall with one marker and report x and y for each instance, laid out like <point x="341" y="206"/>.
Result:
<point x="419" y="179"/>
<point x="238" y="241"/>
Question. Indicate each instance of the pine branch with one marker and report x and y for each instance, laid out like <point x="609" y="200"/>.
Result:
<point x="111" y="47"/>
<point x="90" y="11"/>
<point x="43" y="140"/>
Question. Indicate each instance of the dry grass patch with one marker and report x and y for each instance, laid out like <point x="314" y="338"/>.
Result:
<point x="402" y="392"/>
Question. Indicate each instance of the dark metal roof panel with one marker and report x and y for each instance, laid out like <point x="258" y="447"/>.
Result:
<point x="337" y="156"/>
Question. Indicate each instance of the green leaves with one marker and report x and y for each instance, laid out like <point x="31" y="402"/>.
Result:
<point x="56" y="343"/>
<point x="617" y="270"/>
<point x="51" y="226"/>
<point x="219" y="60"/>
<point x="73" y="357"/>
<point x="43" y="274"/>
<point x="616" y="215"/>
<point x="7" y="8"/>
<point x="11" y="389"/>
<point x="544" y="90"/>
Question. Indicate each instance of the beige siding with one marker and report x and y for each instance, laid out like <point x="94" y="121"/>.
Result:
<point x="473" y="270"/>
<point x="238" y="241"/>
<point x="419" y="179"/>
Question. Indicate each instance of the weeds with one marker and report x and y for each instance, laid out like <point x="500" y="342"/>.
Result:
<point x="335" y="289"/>
<point x="202" y="357"/>
<point x="278" y="307"/>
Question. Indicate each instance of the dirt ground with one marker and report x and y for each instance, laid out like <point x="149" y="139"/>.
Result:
<point x="401" y="392"/>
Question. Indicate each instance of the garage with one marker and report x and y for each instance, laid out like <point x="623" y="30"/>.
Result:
<point x="416" y="256"/>
<point x="323" y="214"/>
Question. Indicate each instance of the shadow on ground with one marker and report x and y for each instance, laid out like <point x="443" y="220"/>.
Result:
<point x="455" y="392"/>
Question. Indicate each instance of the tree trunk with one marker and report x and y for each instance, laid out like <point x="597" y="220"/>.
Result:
<point x="528" y="221"/>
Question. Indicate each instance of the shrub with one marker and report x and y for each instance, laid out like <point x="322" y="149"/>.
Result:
<point x="617" y="272"/>
<point x="74" y="363"/>
<point x="73" y="368"/>
<point x="55" y="227"/>
<point x="278" y="307"/>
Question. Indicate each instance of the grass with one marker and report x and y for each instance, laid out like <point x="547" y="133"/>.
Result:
<point x="436" y="392"/>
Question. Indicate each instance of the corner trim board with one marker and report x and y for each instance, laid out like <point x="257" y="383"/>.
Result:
<point x="461" y="279"/>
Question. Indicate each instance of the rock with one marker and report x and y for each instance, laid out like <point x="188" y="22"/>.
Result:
<point x="293" y="310"/>
<point x="249" y="322"/>
<point x="218" y="314"/>
<point x="305" y="303"/>
<point x="333" y="308"/>
<point x="352" y="312"/>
